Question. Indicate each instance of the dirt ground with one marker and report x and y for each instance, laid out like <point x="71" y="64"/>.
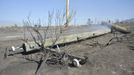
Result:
<point x="117" y="58"/>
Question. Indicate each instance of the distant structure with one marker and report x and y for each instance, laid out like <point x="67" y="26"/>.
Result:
<point x="67" y="13"/>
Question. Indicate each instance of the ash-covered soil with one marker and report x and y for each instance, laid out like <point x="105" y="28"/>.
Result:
<point x="116" y="58"/>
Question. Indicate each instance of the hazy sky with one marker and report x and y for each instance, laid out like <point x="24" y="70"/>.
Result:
<point x="17" y="10"/>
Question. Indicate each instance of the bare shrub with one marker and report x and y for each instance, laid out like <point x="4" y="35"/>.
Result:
<point x="40" y="35"/>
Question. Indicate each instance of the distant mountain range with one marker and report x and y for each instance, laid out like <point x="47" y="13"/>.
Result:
<point x="8" y="23"/>
<point x="11" y="23"/>
<point x="129" y="20"/>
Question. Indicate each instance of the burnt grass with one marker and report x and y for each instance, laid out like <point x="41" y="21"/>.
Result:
<point x="116" y="58"/>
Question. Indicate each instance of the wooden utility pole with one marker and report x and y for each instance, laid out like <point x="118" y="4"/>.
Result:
<point x="67" y="13"/>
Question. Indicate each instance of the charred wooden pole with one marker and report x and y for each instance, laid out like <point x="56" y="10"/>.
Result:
<point x="119" y="28"/>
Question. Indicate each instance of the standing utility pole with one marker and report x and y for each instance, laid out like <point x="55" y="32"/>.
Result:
<point x="67" y="13"/>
